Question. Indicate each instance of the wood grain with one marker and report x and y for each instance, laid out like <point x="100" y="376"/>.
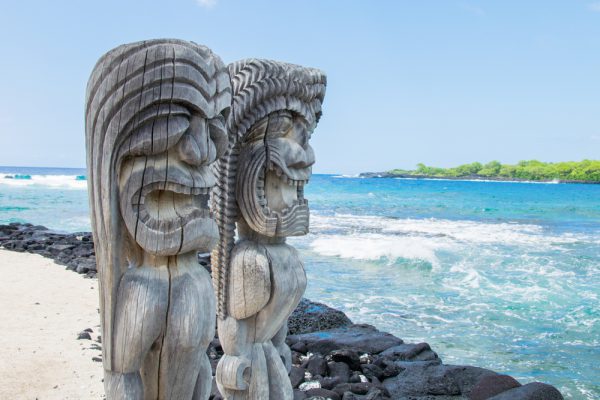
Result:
<point x="260" y="279"/>
<point x="153" y="111"/>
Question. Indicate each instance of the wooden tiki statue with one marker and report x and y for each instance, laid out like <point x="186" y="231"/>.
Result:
<point x="260" y="279"/>
<point x="156" y="116"/>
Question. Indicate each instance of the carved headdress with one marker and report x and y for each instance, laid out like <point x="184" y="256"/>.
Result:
<point x="139" y="102"/>
<point x="260" y="88"/>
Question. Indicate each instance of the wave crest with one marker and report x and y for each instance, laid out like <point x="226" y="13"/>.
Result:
<point x="53" y="181"/>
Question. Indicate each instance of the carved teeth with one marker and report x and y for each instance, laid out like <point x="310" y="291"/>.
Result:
<point x="297" y="205"/>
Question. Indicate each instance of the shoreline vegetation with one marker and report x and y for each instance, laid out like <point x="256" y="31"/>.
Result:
<point x="586" y="171"/>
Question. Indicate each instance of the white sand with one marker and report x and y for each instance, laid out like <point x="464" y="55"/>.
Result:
<point x="42" y="309"/>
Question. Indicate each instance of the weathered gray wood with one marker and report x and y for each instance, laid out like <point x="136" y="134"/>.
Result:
<point x="155" y="114"/>
<point x="260" y="280"/>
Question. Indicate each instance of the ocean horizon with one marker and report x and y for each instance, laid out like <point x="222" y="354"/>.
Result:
<point x="501" y="275"/>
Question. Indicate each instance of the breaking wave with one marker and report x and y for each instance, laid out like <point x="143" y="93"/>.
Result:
<point x="53" y="181"/>
<point x="374" y="237"/>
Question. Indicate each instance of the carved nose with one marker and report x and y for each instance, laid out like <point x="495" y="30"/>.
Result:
<point x="302" y="157"/>
<point x="195" y="147"/>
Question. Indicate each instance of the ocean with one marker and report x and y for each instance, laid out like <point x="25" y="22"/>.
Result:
<point x="501" y="275"/>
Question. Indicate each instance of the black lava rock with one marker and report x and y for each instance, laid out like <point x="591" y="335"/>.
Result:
<point x="531" y="391"/>
<point x="296" y="376"/>
<point x="339" y="370"/>
<point x="317" y="366"/>
<point x="491" y="385"/>
<point x="84" y="335"/>
<point x="312" y="317"/>
<point x="372" y="371"/>
<point x="323" y="393"/>
<point x="347" y="356"/>
<point x="362" y="338"/>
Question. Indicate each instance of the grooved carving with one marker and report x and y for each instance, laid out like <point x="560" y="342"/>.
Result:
<point x="260" y="279"/>
<point x="156" y="115"/>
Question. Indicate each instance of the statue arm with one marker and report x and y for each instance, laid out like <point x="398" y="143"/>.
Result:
<point x="250" y="280"/>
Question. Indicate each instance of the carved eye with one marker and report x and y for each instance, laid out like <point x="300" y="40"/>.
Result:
<point x="257" y="132"/>
<point x="300" y="132"/>
<point x="280" y="124"/>
<point x="218" y="134"/>
<point x="158" y="134"/>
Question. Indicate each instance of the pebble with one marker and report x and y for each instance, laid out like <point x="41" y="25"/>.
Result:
<point x="84" y="335"/>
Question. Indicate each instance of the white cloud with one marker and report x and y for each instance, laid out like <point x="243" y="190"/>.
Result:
<point x="595" y="6"/>
<point x="207" y="3"/>
<point x="473" y="9"/>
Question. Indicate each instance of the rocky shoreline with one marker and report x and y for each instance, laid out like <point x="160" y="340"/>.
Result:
<point x="333" y="358"/>
<point x="467" y="178"/>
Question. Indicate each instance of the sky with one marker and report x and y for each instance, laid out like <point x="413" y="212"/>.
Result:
<point x="443" y="82"/>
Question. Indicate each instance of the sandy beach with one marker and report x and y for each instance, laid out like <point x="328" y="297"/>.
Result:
<point x="43" y="307"/>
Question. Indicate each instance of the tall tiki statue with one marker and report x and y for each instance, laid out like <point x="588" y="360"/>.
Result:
<point x="156" y="115"/>
<point x="260" y="279"/>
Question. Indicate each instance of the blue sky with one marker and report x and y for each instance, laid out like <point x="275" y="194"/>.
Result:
<point x="439" y="82"/>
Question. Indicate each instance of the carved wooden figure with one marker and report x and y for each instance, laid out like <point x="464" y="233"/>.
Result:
<point x="155" y="124"/>
<point x="260" y="279"/>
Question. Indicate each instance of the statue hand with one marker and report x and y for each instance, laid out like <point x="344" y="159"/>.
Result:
<point x="234" y="372"/>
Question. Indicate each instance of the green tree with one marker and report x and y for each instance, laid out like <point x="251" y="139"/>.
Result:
<point x="491" y="169"/>
<point x="468" y="169"/>
<point x="586" y="170"/>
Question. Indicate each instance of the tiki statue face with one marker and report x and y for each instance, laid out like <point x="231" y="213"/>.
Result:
<point x="165" y="172"/>
<point x="278" y="160"/>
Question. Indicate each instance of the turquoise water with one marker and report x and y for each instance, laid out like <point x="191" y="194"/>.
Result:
<point x="54" y="197"/>
<point x="496" y="274"/>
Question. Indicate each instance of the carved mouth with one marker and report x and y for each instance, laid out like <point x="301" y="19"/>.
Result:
<point x="163" y="206"/>
<point x="169" y="213"/>
<point x="284" y="192"/>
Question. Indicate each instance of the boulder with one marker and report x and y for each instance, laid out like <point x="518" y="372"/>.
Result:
<point x="361" y="338"/>
<point x="85" y="265"/>
<point x="426" y="379"/>
<point x="310" y="316"/>
<point x="491" y="385"/>
<point x="323" y="393"/>
<point x="317" y="366"/>
<point x="59" y="248"/>
<point x="299" y="395"/>
<point x="339" y="370"/>
<point x="411" y="352"/>
<point x="296" y="376"/>
<point x="347" y="356"/>
<point x="531" y="391"/>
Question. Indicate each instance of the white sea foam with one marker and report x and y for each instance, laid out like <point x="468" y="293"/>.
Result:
<point x="346" y="176"/>
<point x="465" y="249"/>
<point x="54" y="181"/>
<point x="449" y="231"/>
<point x="376" y="247"/>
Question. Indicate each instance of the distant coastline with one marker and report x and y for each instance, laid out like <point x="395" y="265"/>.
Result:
<point x="586" y="171"/>
<point x="467" y="178"/>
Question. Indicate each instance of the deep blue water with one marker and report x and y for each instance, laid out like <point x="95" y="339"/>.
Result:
<point x="496" y="274"/>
